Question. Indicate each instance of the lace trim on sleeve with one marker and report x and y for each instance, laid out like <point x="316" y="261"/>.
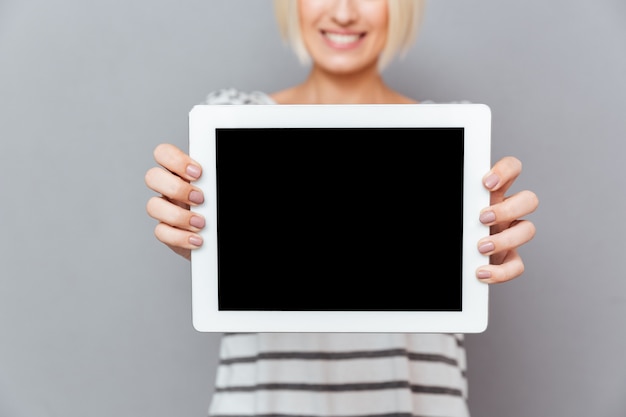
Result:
<point x="234" y="96"/>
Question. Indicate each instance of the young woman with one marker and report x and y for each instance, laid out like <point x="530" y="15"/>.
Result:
<point x="347" y="44"/>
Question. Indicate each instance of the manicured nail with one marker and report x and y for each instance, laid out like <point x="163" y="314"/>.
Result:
<point x="483" y="274"/>
<point x="193" y="171"/>
<point x="487" y="217"/>
<point x="195" y="240"/>
<point x="491" y="181"/>
<point x="486" y="247"/>
<point x="197" y="221"/>
<point x="196" y="197"/>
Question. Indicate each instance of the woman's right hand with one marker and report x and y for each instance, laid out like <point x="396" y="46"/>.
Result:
<point x="178" y="226"/>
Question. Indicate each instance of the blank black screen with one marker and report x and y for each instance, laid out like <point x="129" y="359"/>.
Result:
<point x="340" y="219"/>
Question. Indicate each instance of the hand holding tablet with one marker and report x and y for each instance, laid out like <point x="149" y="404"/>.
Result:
<point x="320" y="218"/>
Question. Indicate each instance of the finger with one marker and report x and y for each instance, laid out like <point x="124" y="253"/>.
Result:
<point x="501" y="176"/>
<point x="176" y="161"/>
<point x="511" y="208"/>
<point x="511" y="267"/>
<point x="519" y="233"/>
<point x="177" y="238"/>
<point x="173" y="187"/>
<point x="174" y="215"/>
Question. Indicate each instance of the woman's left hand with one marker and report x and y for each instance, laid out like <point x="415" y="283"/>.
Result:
<point x="509" y="230"/>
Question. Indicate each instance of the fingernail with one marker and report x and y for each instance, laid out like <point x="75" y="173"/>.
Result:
<point x="486" y="247"/>
<point x="196" y="197"/>
<point x="197" y="221"/>
<point x="195" y="240"/>
<point x="487" y="217"/>
<point x="193" y="171"/>
<point x="483" y="274"/>
<point x="491" y="181"/>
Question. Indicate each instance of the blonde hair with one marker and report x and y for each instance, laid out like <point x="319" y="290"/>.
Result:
<point x="404" y="20"/>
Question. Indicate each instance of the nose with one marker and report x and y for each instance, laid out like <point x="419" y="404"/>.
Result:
<point x="344" y="12"/>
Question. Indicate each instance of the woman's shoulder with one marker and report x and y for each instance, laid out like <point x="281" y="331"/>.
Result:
<point x="234" y="96"/>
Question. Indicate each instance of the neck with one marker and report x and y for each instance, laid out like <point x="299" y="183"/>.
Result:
<point x="323" y="87"/>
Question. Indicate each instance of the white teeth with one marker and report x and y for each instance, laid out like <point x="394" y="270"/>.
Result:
<point x="342" y="38"/>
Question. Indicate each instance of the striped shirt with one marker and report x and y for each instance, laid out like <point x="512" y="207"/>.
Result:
<point x="337" y="374"/>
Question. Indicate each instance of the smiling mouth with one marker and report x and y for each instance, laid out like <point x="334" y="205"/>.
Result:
<point x="343" y="38"/>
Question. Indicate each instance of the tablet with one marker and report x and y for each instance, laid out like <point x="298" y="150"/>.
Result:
<point x="340" y="218"/>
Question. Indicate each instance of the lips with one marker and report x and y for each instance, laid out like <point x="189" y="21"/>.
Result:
<point x="343" y="39"/>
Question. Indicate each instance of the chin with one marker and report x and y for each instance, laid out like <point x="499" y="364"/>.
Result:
<point x="344" y="67"/>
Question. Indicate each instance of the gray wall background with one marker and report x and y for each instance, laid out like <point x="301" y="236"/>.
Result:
<point x="95" y="315"/>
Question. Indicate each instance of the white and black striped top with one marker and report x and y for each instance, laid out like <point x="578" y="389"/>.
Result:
<point x="337" y="374"/>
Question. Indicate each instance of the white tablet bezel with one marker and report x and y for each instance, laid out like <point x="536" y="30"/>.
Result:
<point x="474" y="118"/>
